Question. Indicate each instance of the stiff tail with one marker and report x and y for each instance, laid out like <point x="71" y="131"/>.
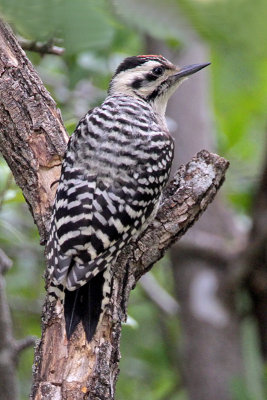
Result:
<point x="85" y="304"/>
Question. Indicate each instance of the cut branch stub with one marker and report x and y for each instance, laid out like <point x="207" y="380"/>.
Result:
<point x="185" y="198"/>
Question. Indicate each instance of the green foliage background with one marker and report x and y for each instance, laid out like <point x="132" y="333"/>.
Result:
<point x="97" y="35"/>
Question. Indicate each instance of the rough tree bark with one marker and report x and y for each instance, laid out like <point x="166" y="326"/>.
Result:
<point x="33" y="141"/>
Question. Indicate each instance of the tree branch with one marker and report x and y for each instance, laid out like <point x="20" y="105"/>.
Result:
<point x="41" y="47"/>
<point x="33" y="141"/>
<point x="76" y="368"/>
<point x="163" y="300"/>
<point x="22" y="344"/>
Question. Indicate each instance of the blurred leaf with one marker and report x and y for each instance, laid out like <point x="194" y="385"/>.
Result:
<point x="157" y="18"/>
<point x="14" y="196"/>
<point x="239" y="67"/>
<point x="83" y="24"/>
<point x="70" y="126"/>
<point x="7" y="228"/>
<point x="253" y="362"/>
<point x="131" y="322"/>
<point x="240" y="391"/>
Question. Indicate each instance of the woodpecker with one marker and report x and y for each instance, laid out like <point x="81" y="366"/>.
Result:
<point x="116" y="165"/>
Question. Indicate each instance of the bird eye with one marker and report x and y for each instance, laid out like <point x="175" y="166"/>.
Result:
<point x="158" y="70"/>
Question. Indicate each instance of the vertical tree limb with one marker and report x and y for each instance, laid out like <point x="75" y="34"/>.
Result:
<point x="66" y="370"/>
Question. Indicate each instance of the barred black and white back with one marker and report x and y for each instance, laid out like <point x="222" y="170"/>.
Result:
<point x="117" y="162"/>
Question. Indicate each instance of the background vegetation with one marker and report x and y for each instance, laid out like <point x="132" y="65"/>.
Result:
<point x="97" y="35"/>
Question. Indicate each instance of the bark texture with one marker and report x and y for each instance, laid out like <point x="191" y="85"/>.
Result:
<point x="33" y="141"/>
<point x="71" y="370"/>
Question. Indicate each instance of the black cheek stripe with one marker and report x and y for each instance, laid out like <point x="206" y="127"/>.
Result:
<point x="137" y="83"/>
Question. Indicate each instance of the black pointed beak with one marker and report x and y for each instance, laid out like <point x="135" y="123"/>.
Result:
<point x="189" y="70"/>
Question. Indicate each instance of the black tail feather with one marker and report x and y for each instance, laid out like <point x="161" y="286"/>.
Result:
<point x="84" y="304"/>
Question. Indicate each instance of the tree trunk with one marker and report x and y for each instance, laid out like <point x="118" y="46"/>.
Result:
<point x="33" y="138"/>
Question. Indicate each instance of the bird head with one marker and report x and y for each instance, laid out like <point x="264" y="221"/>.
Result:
<point x="150" y="77"/>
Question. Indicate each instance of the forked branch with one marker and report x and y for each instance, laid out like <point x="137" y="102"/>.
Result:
<point x="33" y="141"/>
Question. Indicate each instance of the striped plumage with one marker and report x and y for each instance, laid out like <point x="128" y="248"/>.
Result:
<point x="117" y="162"/>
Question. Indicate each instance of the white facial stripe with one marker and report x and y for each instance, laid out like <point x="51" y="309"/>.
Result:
<point x="124" y="79"/>
<point x="122" y="83"/>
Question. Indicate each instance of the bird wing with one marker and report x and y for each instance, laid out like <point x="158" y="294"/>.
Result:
<point x="92" y="221"/>
<point x="111" y="181"/>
